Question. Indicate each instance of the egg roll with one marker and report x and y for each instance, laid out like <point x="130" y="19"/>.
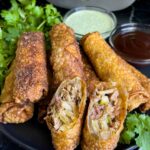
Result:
<point x="105" y="117"/>
<point x="27" y="80"/>
<point x="65" y="56"/>
<point x="65" y="114"/>
<point x="10" y="111"/>
<point x="110" y="67"/>
<point x="66" y="109"/>
<point x="31" y="81"/>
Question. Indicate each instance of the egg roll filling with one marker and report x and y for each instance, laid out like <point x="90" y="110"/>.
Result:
<point x="65" y="106"/>
<point x="104" y="110"/>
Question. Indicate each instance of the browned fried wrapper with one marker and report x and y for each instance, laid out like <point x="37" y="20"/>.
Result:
<point x="145" y="82"/>
<point x="67" y="65"/>
<point x="27" y="81"/>
<point x="65" y="54"/>
<point x="103" y="134"/>
<point x="11" y="112"/>
<point x="110" y="67"/>
<point x="90" y="77"/>
<point x="31" y="82"/>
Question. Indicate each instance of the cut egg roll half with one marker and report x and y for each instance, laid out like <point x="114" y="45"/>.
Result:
<point x="105" y="117"/>
<point x="65" y="114"/>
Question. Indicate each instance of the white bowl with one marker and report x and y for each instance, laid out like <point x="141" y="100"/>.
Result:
<point x="110" y="5"/>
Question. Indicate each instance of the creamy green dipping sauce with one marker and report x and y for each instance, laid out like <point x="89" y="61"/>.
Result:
<point x="85" y="21"/>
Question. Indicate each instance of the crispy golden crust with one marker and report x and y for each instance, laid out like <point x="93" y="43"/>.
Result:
<point x="11" y="112"/>
<point x="68" y="139"/>
<point x="89" y="75"/>
<point x="27" y="81"/>
<point x="92" y="142"/>
<point x="6" y="95"/>
<point x="110" y="67"/>
<point x="30" y="70"/>
<point x="145" y="82"/>
<point x="65" y="55"/>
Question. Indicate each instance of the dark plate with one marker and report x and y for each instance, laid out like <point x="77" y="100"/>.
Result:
<point x="33" y="136"/>
<point x="30" y="135"/>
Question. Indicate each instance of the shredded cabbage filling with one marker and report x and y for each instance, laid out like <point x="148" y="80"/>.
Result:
<point x="104" y="110"/>
<point x="64" y="110"/>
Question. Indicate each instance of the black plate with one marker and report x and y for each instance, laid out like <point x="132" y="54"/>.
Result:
<point x="33" y="136"/>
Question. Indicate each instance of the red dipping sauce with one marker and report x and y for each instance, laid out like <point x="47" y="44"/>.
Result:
<point x="134" y="44"/>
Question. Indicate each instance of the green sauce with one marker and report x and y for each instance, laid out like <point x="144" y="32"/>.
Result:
<point x="85" y="21"/>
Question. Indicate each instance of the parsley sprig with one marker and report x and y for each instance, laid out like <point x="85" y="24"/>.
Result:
<point x="137" y="128"/>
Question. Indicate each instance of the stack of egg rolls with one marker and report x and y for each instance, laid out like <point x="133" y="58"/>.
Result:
<point x="110" y="67"/>
<point x="27" y="81"/>
<point x="73" y="80"/>
<point x="72" y="69"/>
<point x="66" y="109"/>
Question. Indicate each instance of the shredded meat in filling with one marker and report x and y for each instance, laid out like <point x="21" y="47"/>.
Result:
<point x="65" y="107"/>
<point x="104" y="111"/>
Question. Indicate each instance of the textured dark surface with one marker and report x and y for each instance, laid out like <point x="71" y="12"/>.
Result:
<point x="138" y="12"/>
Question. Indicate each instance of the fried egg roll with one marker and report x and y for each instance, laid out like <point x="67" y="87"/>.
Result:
<point x="105" y="117"/>
<point x="27" y="81"/>
<point x="31" y="81"/>
<point x="65" y="112"/>
<point x="65" y="54"/>
<point x="10" y="111"/>
<point x="110" y="67"/>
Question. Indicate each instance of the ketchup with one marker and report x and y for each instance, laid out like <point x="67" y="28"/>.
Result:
<point x="135" y="44"/>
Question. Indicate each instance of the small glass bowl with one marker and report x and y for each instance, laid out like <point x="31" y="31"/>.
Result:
<point x="77" y="9"/>
<point x="127" y="28"/>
